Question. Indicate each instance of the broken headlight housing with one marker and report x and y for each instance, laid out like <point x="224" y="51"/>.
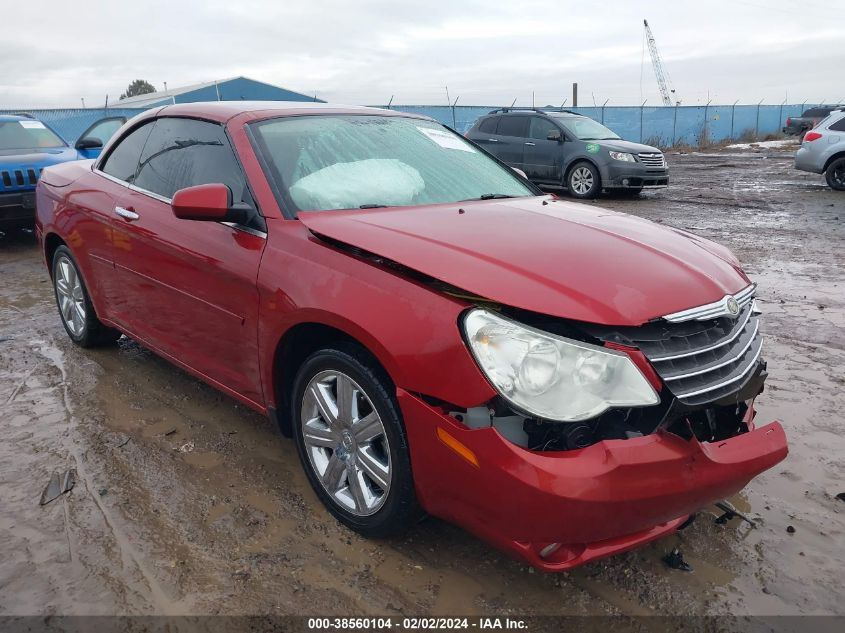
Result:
<point x="553" y="377"/>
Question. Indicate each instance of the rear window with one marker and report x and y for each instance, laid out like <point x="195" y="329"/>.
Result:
<point x="27" y="134"/>
<point x="839" y="126"/>
<point x="488" y="125"/>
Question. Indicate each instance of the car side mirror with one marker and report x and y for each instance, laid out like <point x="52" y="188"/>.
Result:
<point x="211" y="202"/>
<point x="554" y="135"/>
<point x="89" y="142"/>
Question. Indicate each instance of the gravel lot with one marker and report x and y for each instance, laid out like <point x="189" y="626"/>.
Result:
<point x="189" y="503"/>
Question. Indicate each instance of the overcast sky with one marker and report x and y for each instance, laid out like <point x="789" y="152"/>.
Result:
<point x="488" y="53"/>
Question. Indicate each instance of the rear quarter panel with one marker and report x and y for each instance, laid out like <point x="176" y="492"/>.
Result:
<point x="72" y="205"/>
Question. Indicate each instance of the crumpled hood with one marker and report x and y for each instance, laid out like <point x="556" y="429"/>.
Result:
<point x="627" y="146"/>
<point x="549" y="256"/>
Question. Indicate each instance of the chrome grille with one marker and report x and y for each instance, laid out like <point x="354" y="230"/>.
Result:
<point x="699" y="361"/>
<point x="652" y="159"/>
<point x="716" y="309"/>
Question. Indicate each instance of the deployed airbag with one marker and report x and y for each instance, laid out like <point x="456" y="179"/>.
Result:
<point x="375" y="181"/>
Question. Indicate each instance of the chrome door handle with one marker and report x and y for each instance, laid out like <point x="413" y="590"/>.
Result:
<point x="493" y="140"/>
<point x="531" y="144"/>
<point x="127" y="213"/>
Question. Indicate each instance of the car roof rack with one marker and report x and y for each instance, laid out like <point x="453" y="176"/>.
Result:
<point x="539" y="110"/>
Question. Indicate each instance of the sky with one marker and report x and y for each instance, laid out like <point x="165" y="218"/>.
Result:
<point x="56" y="53"/>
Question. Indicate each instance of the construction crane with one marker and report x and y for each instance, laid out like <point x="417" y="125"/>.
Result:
<point x="667" y="92"/>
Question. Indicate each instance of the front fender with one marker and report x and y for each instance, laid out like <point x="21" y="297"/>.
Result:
<point x="409" y="327"/>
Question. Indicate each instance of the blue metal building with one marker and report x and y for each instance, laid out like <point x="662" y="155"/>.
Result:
<point x="234" y="89"/>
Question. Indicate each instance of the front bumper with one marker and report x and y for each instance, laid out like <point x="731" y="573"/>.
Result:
<point x="602" y="500"/>
<point x="625" y="175"/>
<point x="17" y="208"/>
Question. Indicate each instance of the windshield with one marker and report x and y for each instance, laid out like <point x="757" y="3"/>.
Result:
<point x="586" y="129"/>
<point x="27" y="134"/>
<point x="363" y="161"/>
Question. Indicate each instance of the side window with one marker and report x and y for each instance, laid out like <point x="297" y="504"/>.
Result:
<point x="540" y="128"/>
<point x="513" y="126"/>
<point x="488" y="125"/>
<point x="122" y="161"/>
<point x="104" y="130"/>
<point x="839" y="126"/>
<point x="185" y="152"/>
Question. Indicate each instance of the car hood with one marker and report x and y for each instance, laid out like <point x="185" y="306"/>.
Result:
<point x="626" y="146"/>
<point x="549" y="256"/>
<point x="37" y="157"/>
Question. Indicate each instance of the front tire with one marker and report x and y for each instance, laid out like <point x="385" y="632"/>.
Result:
<point x="75" y="307"/>
<point x="583" y="181"/>
<point x="351" y="441"/>
<point x="835" y="174"/>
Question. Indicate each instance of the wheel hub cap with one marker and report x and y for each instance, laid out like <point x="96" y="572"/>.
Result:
<point x="346" y="442"/>
<point x="582" y="180"/>
<point x="70" y="297"/>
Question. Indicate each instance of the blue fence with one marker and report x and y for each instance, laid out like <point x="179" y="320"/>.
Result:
<point x="661" y="126"/>
<point x="69" y="123"/>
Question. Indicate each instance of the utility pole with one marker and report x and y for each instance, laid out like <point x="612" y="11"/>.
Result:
<point x="575" y="94"/>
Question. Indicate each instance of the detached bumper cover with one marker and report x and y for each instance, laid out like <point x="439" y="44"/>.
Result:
<point x="598" y="501"/>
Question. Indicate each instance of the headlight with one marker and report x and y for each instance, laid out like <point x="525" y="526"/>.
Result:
<point x="552" y="377"/>
<point x="623" y="156"/>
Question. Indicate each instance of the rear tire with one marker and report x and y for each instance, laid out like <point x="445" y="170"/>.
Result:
<point x="835" y="174"/>
<point x="583" y="181"/>
<point x="75" y="307"/>
<point x="352" y="443"/>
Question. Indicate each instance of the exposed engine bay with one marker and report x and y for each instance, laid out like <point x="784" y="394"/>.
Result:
<point x="710" y="372"/>
<point x="707" y="424"/>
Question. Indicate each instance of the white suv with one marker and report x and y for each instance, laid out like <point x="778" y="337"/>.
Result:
<point x="823" y="150"/>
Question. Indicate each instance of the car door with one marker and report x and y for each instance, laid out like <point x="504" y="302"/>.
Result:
<point x="511" y="135"/>
<point x="98" y="194"/>
<point x="189" y="287"/>
<point x="101" y="130"/>
<point x="542" y="157"/>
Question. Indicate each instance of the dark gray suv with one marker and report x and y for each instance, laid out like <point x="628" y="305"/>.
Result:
<point x="567" y="149"/>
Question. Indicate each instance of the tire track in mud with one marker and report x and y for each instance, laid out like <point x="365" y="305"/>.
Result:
<point x="130" y="557"/>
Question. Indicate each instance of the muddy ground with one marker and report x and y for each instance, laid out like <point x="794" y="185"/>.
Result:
<point x="189" y="503"/>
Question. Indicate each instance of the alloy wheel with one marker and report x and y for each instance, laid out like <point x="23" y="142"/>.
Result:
<point x="70" y="295"/>
<point x="581" y="180"/>
<point x="346" y="442"/>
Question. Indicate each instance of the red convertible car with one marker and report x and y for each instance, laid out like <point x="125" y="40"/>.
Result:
<point x="436" y="334"/>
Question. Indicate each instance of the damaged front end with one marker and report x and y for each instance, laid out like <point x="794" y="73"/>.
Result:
<point x="705" y="366"/>
<point x="570" y="492"/>
<point x="568" y="480"/>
